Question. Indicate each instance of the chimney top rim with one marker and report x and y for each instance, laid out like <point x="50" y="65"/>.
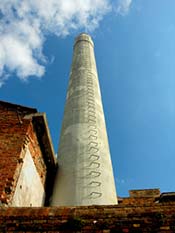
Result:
<point x="84" y="37"/>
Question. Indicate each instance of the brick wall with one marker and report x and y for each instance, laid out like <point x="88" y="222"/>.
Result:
<point x="16" y="133"/>
<point x="157" y="217"/>
<point x="36" y="153"/>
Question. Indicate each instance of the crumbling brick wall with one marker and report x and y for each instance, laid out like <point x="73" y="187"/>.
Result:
<point x="16" y="133"/>
<point x="100" y="219"/>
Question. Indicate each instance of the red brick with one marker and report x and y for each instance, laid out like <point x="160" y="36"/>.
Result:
<point x="15" y="133"/>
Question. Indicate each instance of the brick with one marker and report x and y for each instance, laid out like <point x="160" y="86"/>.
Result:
<point x="145" y="218"/>
<point x="165" y="228"/>
<point x="16" y="133"/>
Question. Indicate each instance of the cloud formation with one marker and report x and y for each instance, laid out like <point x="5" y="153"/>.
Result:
<point x="25" y="24"/>
<point x="123" y="6"/>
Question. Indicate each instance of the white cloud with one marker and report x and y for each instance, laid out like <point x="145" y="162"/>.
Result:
<point x="24" y="25"/>
<point x="123" y="6"/>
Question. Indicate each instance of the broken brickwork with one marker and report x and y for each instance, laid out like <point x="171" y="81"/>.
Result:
<point x="134" y="217"/>
<point x="17" y="133"/>
<point x="21" y="128"/>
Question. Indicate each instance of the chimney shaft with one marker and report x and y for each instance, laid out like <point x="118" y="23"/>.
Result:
<point x="85" y="175"/>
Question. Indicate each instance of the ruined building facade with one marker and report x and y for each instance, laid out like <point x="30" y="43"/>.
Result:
<point x="27" y="157"/>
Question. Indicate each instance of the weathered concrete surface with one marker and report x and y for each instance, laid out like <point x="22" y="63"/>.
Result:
<point x="85" y="175"/>
<point x="29" y="189"/>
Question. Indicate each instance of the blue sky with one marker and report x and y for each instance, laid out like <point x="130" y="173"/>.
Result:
<point x="135" y="55"/>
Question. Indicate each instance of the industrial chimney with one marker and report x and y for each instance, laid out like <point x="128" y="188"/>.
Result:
<point x="85" y="175"/>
